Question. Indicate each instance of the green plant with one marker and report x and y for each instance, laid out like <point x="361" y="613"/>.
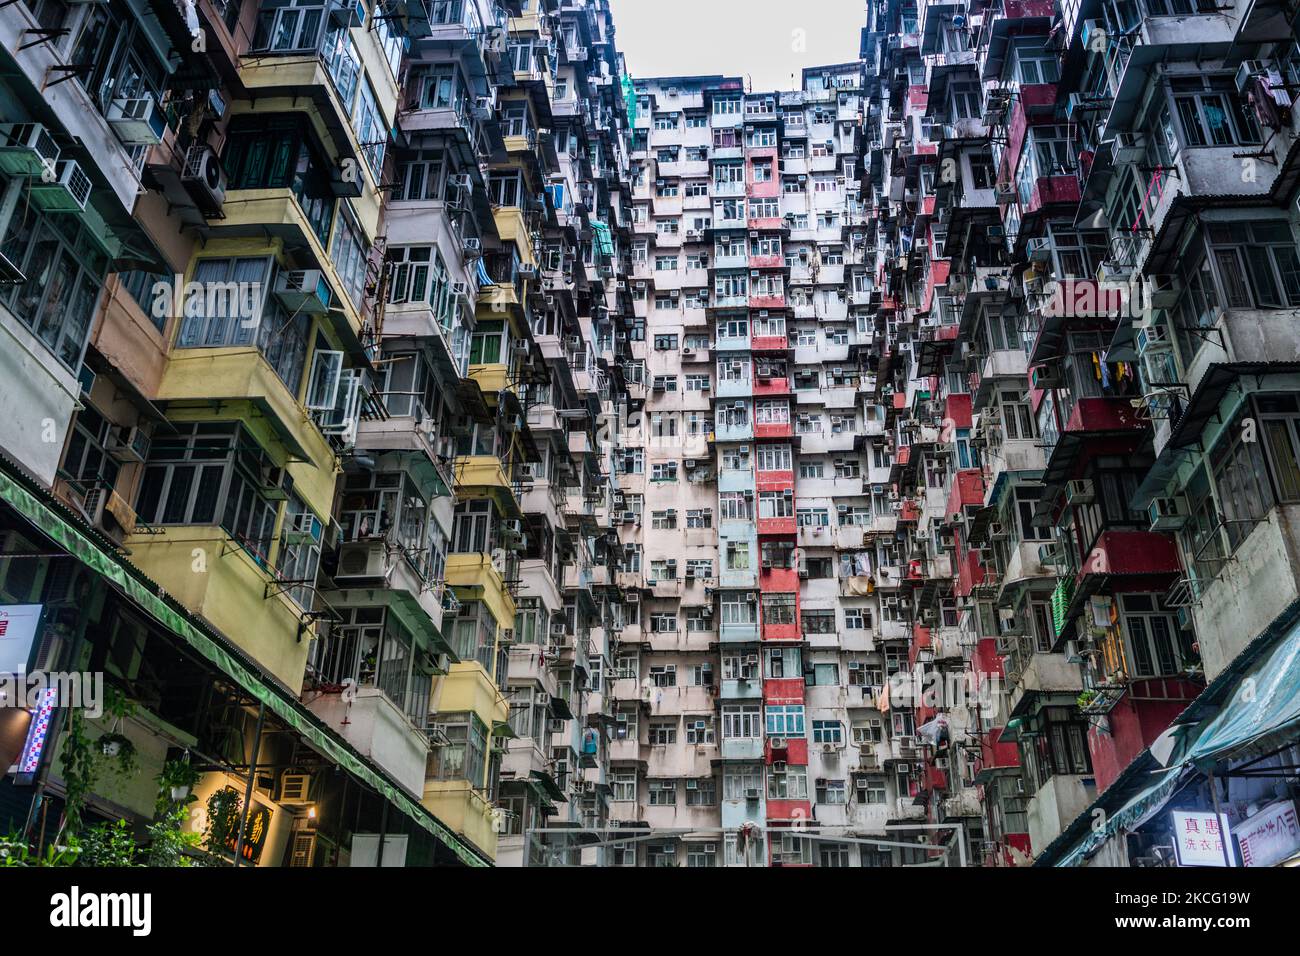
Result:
<point x="78" y="769"/>
<point x="176" y="784"/>
<point x="16" y="851"/>
<point x="114" y="744"/>
<point x="1086" y="698"/>
<point x="108" y="845"/>
<point x="223" y="822"/>
<point x="169" y="846"/>
<point x="118" y="747"/>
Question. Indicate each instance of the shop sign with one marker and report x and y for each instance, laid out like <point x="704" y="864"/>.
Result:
<point x="1198" y="838"/>
<point x="1270" y="836"/>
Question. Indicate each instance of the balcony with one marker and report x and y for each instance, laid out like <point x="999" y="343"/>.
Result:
<point x="1043" y="675"/>
<point x="374" y="725"/>
<point x="1056" y="805"/>
<point x="233" y="591"/>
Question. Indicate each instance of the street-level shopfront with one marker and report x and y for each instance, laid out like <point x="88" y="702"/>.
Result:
<point x="1221" y="786"/>
<point x="70" y="603"/>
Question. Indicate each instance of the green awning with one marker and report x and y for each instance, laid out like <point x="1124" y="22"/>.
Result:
<point x="548" y="784"/>
<point x="1150" y="797"/>
<point x="143" y="592"/>
<point x="1261" y="715"/>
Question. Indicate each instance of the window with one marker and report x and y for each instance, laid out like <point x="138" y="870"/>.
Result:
<point x="464" y="756"/>
<point x="663" y="793"/>
<point x="624" y="785"/>
<point x="787" y="783"/>
<point x="210" y="473"/>
<point x="785" y="720"/>
<point x="699" y="731"/>
<point x="663" y="732"/>
<point x="740" y="721"/>
<point x="1211" y="112"/>
<point x="833" y="792"/>
<point x="828" y="731"/>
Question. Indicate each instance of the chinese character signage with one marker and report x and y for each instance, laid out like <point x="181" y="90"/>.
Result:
<point x="1270" y="836"/>
<point x="1198" y="838"/>
<point x="19" y="624"/>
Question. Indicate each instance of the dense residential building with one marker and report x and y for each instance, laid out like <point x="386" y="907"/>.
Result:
<point x="309" y="313"/>
<point x="447" y="448"/>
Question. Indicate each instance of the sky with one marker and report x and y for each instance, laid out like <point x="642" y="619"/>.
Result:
<point x="766" y="41"/>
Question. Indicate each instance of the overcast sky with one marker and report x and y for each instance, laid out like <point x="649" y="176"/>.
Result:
<point x="766" y="41"/>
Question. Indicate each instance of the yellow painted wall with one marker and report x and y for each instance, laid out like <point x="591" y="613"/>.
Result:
<point x="465" y="812"/>
<point x="221" y="582"/>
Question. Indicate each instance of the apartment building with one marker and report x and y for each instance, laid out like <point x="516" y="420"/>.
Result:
<point x="1086" y="224"/>
<point x="310" y="317"/>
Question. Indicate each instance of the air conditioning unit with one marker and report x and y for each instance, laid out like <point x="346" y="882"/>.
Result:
<point x="363" y="560"/>
<point x="1039" y="249"/>
<point x="203" y="177"/>
<point x="1004" y="192"/>
<point x="1152" y="338"/>
<point x="1130" y="148"/>
<point x="276" y="484"/>
<point x="1046" y="376"/>
<point x="752" y="795"/>
<point x="303" y="290"/>
<point x="1168" y="514"/>
<point x="473" y="248"/>
<point x="137" y="121"/>
<point x="777" y="743"/>
<point x="302" y="528"/>
<point x="462" y="181"/>
<point x="27" y="149"/>
<point x="1094" y="35"/>
<point x="348" y="13"/>
<point x="295" y="789"/>
<point x="1081" y="492"/>
<point x="68" y="191"/>
<point x="303" y="852"/>
<point x="130" y="444"/>
<point x="1163" y="290"/>
<point x="1248" y="70"/>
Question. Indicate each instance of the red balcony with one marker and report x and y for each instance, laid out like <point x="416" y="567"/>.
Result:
<point x="778" y="579"/>
<point x="767" y="302"/>
<point x="1104" y="414"/>
<point x="1133" y="724"/>
<point x="970" y="572"/>
<point x="769" y="222"/>
<point x="794" y="752"/>
<point x="985" y="660"/>
<point x="957" y="409"/>
<point x="769" y="343"/>
<point x="920" y="642"/>
<point x="996" y="752"/>
<point x="781" y="632"/>
<point x="910" y="511"/>
<point x="781" y="527"/>
<point x="1131" y="554"/>
<point x="783" y="690"/>
<point x="766" y="262"/>
<point x="967" y="490"/>
<point x="771" y="386"/>
<point x="773" y="430"/>
<point x="1053" y="190"/>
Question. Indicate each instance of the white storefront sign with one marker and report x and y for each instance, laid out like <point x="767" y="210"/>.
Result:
<point x="1198" y="838"/>
<point x="19" y="624"/>
<point x="1270" y="836"/>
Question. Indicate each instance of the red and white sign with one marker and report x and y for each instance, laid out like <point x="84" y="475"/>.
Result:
<point x="19" y="624"/>
<point x="1270" y="836"/>
<point x="1198" y="838"/>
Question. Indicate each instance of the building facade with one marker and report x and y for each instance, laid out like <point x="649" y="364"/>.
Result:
<point x="447" y="448"/>
<point x="310" y="314"/>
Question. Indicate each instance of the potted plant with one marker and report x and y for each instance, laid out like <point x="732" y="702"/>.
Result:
<point x="119" y="747"/>
<point x="1086" y="698"/>
<point x="177" y="779"/>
